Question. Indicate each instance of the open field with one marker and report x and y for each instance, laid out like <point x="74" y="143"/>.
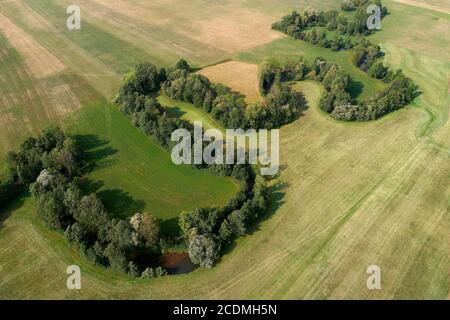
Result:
<point x="239" y="76"/>
<point x="437" y="5"/>
<point x="349" y="195"/>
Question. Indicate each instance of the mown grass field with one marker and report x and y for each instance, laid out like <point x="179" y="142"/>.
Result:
<point x="349" y="195"/>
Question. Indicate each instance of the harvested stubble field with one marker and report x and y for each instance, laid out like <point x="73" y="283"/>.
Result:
<point x="349" y="195"/>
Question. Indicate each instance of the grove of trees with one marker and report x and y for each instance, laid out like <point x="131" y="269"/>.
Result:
<point x="204" y="231"/>
<point x="313" y="26"/>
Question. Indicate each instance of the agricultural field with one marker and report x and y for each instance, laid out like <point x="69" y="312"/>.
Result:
<point x="239" y="76"/>
<point x="349" y="195"/>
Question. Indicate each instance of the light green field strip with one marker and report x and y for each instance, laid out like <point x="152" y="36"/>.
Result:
<point x="189" y="112"/>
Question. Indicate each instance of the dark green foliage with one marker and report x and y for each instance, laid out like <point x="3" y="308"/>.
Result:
<point x="364" y="54"/>
<point x="198" y="221"/>
<point x="183" y="65"/>
<point x="230" y="107"/>
<point x="8" y="190"/>
<point x="91" y="213"/>
<point x="49" y="193"/>
<point x="378" y="70"/>
<point x="145" y="79"/>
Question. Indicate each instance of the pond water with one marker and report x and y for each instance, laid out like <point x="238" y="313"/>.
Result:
<point x="177" y="263"/>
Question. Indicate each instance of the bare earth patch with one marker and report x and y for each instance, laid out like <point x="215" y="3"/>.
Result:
<point x="436" y="5"/>
<point x="239" y="76"/>
<point x="39" y="61"/>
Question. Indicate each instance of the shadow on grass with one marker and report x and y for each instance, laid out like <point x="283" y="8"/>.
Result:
<point x="12" y="205"/>
<point x="174" y="112"/>
<point x="120" y="204"/>
<point x="355" y="90"/>
<point x="96" y="152"/>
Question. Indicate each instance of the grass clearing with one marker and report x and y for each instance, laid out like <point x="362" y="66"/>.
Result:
<point x="189" y="112"/>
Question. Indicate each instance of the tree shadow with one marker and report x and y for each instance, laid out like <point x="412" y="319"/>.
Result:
<point x="303" y="104"/>
<point x="174" y="112"/>
<point x="169" y="228"/>
<point x="355" y="89"/>
<point x="96" y="152"/>
<point x="120" y="204"/>
<point x="13" y="205"/>
<point x="89" y="186"/>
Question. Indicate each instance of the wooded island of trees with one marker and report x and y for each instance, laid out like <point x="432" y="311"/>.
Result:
<point x="315" y="26"/>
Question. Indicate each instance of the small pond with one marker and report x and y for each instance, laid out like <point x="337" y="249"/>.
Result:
<point x="177" y="263"/>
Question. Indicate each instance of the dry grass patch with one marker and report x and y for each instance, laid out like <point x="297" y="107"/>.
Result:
<point x="228" y="27"/>
<point x="239" y="76"/>
<point x="40" y="61"/>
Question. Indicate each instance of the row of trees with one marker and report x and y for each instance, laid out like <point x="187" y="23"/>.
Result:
<point x="205" y="231"/>
<point x="337" y="100"/>
<point x="280" y="107"/>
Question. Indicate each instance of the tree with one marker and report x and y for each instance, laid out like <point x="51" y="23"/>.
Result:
<point x="378" y="70"/>
<point x="146" y="229"/>
<point x="198" y="221"/>
<point x="91" y="213"/>
<point x="225" y="232"/>
<point x="204" y="250"/>
<point x="183" y="65"/>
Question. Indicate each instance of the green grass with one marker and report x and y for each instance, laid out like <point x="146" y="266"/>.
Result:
<point x="132" y="173"/>
<point x="189" y="112"/>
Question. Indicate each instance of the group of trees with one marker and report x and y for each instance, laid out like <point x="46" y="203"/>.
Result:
<point x="364" y="53"/>
<point x="280" y="107"/>
<point x="88" y="226"/>
<point x="208" y="230"/>
<point x="51" y="150"/>
<point x="51" y="165"/>
<point x="205" y="231"/>
<point x="337" y="100"/>
<point x="296" y="23"/>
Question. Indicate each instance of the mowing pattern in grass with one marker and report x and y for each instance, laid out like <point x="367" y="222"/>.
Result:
<point x="239" y="76"/>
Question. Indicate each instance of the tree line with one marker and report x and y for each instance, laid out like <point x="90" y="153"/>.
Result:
<point x="204" y="231"/>
<point x="280" y="106"/>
